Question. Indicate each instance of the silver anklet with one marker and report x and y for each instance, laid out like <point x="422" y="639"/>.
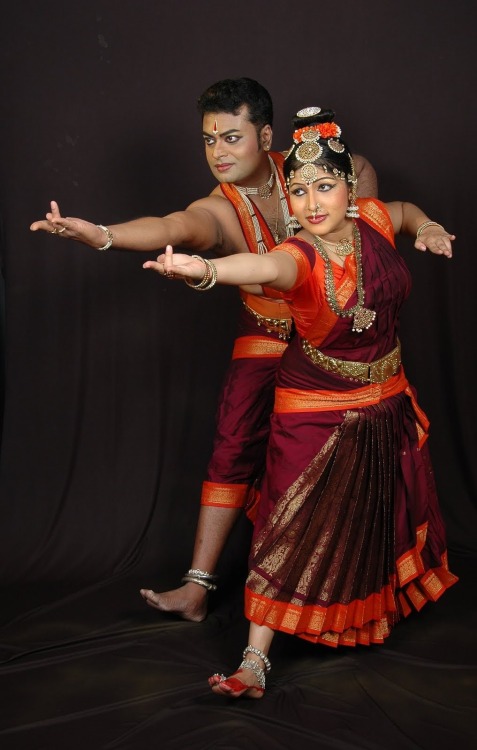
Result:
<point x="200" y="582"/>
<point x="201" y="574"/>
<point x="201" y="578"/>
<point x="256" y="669"/>
<point x="260" y="654"/>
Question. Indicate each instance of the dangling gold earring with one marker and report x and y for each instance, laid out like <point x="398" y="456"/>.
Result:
<point x="294" y="223"/>
<point x="352" y="212"/>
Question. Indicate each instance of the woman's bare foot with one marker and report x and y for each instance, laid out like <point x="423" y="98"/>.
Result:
<point x="188" y="601"/>
<point x="242" y="683"/>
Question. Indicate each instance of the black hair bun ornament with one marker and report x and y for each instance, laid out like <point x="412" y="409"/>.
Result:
<point x="308" y="112"/>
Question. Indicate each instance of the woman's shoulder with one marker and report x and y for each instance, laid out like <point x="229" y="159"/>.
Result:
<point x="300" y="249"/>
<point x="375" y="213"/>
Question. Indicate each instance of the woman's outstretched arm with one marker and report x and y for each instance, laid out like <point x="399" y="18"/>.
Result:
<point x="277" y="270"/>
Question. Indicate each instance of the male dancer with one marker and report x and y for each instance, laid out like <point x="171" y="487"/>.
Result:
<point x="246" y="212"/>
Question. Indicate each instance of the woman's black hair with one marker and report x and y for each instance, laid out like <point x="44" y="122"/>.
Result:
<point x="328" y="158"/>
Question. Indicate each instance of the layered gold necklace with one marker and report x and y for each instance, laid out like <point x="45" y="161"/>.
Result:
<point x="363" y="318"/>
<point x="281" y="200"/>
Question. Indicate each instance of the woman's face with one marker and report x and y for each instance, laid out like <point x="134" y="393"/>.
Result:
<point x="320" y="207"/>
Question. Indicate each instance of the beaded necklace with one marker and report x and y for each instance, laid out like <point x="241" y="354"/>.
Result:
<point x="261" y="247"/>
<point x="264" y="191"/>
<point x="363" y="318"/>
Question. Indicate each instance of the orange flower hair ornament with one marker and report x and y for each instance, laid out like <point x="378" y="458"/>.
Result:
<point x="323" y="130"/>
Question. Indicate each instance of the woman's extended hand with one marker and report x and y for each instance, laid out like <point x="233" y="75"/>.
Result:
<point x="436" y="240"/>
<point x="70" y="228"/>
<point x="177" y="265"/>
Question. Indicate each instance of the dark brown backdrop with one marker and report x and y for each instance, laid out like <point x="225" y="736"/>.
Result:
<point x="112" y="374"/>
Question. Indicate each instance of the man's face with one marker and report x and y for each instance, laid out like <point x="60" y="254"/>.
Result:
<point x="233" y="149"/>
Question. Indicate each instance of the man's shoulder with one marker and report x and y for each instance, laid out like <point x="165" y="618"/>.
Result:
<point x="216" y="200"/>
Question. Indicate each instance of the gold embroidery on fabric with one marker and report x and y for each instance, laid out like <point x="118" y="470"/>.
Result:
<point x="432" y="585"/>
<point x="407" y="569"/>
<point x="301" y="261"/>
<point x="253" y="346"/>
<point x="289" y="399"/>
<point x="420" y="433"/>
<point x="333" y="637"/>
<point x="288" y="505"/>
<point x="376" y="215"/>
<point x="415" y="596"/>
<point x="294" y="399"/>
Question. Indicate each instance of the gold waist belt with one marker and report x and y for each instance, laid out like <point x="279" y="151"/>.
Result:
<point x="282" y="326"/>
<point x="365" y="372"/>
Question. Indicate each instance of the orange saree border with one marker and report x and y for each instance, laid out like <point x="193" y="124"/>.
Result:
<point x="248" y="347"/>
<point x="360" y="622"/>
<point x="294" y="400"/>
<point x="224" y="495"/>
<point x="289" y="400"/>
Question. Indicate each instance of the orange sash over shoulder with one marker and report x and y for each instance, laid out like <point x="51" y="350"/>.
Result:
<point x="268" y="306"/>
<point x="234" y="196"/>
<point x="374" y="213"/>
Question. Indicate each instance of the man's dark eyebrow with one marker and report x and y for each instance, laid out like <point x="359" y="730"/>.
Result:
<point x="226" y="132"/>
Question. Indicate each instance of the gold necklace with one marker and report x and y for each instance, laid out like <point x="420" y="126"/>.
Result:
<point x="290" y="231"/>
<point x="363" y="318"/>
<point x="263" y="191"/>
<point x="275" y="232"/>
<point x="342" y="248"/>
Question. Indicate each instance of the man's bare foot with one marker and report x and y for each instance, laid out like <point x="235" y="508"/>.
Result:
<point x="243" y="683"/>
<point x="188" y="601"/>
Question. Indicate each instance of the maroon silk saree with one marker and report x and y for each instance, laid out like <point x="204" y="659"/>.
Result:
<point x="349" y="535"/>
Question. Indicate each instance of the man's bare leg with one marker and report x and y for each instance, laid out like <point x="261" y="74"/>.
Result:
<point x="189" y="601"/>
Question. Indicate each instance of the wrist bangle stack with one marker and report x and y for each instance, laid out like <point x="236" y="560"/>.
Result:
<point x="426" y="224"/>
<point x="210" y="276"/>
<point x="201" y="578"/>
<point x="108" y="234"/>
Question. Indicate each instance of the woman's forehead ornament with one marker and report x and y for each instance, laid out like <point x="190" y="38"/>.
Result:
<point x="309" y="173"/>
<point x="309" y="151"/>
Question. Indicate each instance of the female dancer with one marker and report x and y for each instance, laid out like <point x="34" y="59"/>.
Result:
<point x="348" y="536"/>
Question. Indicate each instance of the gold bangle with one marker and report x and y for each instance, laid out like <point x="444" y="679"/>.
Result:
<point x="210" y="277"/>
<point x="426" y="224"/>
<point x="109" y="235"/>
